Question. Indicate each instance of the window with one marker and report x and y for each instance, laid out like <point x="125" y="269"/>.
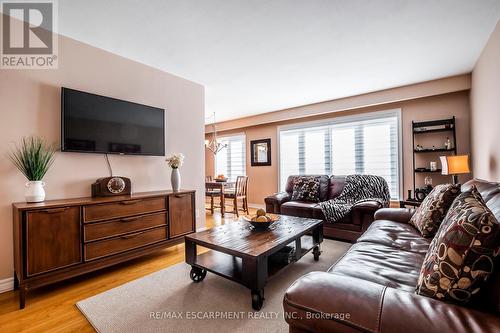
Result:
<point x="230" y="161"/>
<point x="367" y="144"/>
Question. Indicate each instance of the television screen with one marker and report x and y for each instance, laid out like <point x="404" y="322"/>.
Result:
<point x="98" y="124"/>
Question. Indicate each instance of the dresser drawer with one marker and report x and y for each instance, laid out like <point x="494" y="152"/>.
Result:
<point x="100" y="230"/>
<point x="123" y="208"/>
<point x="123" y="243"/>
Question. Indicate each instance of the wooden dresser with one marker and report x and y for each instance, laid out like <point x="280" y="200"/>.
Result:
<point x="58" y="239"/>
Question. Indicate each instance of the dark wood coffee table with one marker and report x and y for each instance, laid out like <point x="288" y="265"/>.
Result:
<point x="240" y="253"/>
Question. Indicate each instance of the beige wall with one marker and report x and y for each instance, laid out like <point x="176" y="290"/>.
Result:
<point x="485" y="110"/>
<point x="30" y="105"/>
<point x="264" y="180"/>
<point x="382" y="97"/>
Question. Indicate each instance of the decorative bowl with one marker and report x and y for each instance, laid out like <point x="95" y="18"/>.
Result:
<point x="221" y="180"/>
<point x="261" y="225"/>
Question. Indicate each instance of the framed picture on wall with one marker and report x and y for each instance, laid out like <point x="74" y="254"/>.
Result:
<point x="260" y="152"/>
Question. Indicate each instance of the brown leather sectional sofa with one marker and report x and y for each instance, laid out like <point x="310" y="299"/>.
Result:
<point x="371" y="288"/>
<point x="349" y="228"/>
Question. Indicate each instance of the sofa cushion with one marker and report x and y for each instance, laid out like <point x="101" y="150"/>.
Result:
<point x="336" y="186"/>
<point x="298" y="208"/>
<point x="463" y="253"/>
<point x="490" y="191"/>
<point x="433" y="209"/>
<point x="306" y="188"/>
<point x="318" y="214"/>
<point x="322" y="302"/>
<point x="381" y="264"/>
<point x="401" y="236"/>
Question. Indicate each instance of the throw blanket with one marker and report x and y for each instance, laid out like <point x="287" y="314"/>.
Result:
<point x="357" y="188"/>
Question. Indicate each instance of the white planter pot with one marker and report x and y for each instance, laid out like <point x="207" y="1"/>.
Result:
<point x="34" y="191"/>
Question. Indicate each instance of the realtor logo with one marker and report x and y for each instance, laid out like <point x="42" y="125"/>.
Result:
<point x="29" y="39"/>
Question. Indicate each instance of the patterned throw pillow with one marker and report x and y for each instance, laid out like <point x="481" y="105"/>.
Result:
<point x="306" y="188"/>
<point x="432" y="211"/>
<point x="462" y="255"/>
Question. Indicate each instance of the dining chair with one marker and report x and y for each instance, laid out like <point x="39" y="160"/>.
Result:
<point x="240" y="192"/>
<point x="211" y="193"/>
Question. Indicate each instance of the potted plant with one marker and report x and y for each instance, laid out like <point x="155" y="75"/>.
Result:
<point x="175" y="162"/>
<point x="33" y="158"/>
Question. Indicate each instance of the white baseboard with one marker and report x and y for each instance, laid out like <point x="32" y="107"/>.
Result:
<point x="256" y="206"/>
<point x="6" y="285"/>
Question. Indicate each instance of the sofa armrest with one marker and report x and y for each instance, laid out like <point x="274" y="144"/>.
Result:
<point x="401" y="215"/>
<point x="351" y="304"/>
<point x="274" y="202"/>
<point x="367" y="206"/>
<point x="363" y="213"/>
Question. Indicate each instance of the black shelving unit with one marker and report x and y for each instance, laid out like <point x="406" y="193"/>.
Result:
<point x="438" y="150"/>
<point x="427" y="170"/>
<point x="421" y="128"/>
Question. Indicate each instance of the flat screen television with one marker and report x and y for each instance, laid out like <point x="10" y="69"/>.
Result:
<point x="99" y="124"/>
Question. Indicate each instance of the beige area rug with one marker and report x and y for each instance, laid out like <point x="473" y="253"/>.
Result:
<point x="168" y="301"/>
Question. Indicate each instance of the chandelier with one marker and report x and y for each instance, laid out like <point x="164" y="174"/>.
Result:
<point x="213" y="144"/>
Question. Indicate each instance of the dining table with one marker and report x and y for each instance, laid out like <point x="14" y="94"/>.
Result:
<point x="220" y="187"/>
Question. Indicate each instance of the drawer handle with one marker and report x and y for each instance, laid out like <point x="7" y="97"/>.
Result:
<point x="132" y="235"/>
<point x="130" y="219"/>
<point x="55" y="210"/>
<point x="180" y="195"/>
<point x="130" y="202"/>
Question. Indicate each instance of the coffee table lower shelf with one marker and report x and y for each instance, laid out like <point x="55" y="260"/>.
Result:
<point x="231" y="267"/>
<point x="250" y="271"/>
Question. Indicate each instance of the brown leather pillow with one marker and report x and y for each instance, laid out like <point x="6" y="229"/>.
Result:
<point x="462" y="255"/>
<point x="433" y="209"/>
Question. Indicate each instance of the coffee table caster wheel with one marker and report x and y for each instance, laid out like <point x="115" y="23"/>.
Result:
<point x="197" y="274"/>
<point x="257" y="299"/>
<point x="316" y="253"/>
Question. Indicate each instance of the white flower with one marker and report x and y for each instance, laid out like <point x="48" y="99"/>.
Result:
<point x="175" y="160"/>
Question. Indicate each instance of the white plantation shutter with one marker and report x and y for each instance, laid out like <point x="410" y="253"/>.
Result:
<point x="304" y="151"/>
<point x="231" y="161"/>
<point x="316" y="151"/>
<point x="363" y="145"/>
<point x="343" y="158"/>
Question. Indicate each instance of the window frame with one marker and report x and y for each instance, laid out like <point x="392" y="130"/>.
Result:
<point x="241" y="134"/>
<point x="349" y="119"/>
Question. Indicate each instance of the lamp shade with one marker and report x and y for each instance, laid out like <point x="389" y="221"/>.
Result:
<point x="454" y="165"/>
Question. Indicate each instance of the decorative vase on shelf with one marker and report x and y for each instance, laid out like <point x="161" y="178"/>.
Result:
<point x="175" y="161"/>
<point x="175" y="179"/>
<point x="34" y="191"/>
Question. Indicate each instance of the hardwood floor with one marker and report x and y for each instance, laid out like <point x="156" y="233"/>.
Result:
<point x="52" y="308"/>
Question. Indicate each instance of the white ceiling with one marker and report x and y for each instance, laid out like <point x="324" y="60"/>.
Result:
<point x="256" y="56"/>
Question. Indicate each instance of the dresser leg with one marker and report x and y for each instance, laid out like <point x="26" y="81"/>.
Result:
<point x="22" y="296"/>
<point x="16" y="282"/>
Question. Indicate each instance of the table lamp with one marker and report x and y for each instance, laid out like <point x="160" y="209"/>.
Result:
<point x="455" y="165"/>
